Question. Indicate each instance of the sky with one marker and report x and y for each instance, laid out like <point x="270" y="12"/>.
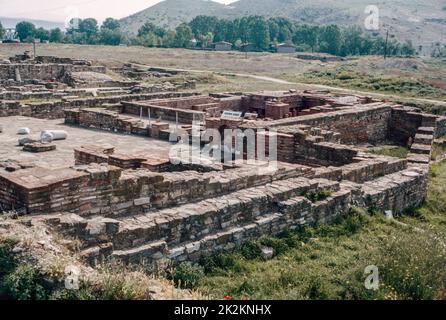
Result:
<point x="64" y="10"/>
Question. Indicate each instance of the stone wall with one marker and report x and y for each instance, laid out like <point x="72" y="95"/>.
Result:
<point x="441" y="127"/>
<point x="56" y="109"/>
<point x="165" y="113"/>
<point x="102" y="189"/>
<point x="358" y="124"/>
<point x="197" y="229"/>
<point x="44" y="71"/>
<point x="404" y="124"/>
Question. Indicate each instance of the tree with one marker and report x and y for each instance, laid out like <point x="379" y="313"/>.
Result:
<point x="407" y="48"/>
<point x="149" y="27"/>
<point x="148" y="40"/>
<point x="168" y="40"/>
<point x="56" y="35"/>
<point x="306" y="35"/>
<point x="330" y="39"/>
<point x="183" y="35"/>
<point x="352" y="41"/>
<point x="202" y="25"/>
<point x="2" y="31"/>
<point x="259" y="32"/>
<point x="74" y="25"/>
<point x="25" y="30"/>
<point x="273" y="30"/>
<point x="88" y="26"/>
<point x="42" y="34"/>
<point x="111" y="24"/>
<point x="111" y="37"/>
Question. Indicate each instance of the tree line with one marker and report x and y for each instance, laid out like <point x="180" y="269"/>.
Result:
<point x="260" y="33"/>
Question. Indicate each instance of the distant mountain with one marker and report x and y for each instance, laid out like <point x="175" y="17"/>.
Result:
<point x="12" y="22"/>
<point x="421" y="21"/>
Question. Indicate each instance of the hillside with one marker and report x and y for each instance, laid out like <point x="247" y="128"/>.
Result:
<point x="423" y="22"/>
<point x="171" y="13"/>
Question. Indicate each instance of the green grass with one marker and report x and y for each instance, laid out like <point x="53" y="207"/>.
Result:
<point x="352" y="79"/>
<point x="328" y="261"/>
<point x="391" y="151"/>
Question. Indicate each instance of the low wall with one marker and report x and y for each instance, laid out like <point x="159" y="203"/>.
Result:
<point x="198" y="229"/>
<point x="359" y="124"/>
<point x="165" y="113"/>
<point x="404" y="124"/>
<point x="44" y="71"/>
<point x="55" y="110"/>
<point x="95" y="189"/>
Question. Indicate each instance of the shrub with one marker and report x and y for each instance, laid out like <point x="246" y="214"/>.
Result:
<point x="7" y="261"/>
<point x="221" y="263"/>
<point x="187" y="275"/>
<point x="251" y="250"/>
<point x="24" y="283"/>
<point x="315" y="196"/>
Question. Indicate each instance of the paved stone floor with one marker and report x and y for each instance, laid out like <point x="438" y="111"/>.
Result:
<point x="63" y="156"/>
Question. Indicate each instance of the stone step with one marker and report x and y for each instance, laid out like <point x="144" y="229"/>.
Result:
<point x="191" y="251"/>
<point x="182" y="223"/>
<point x="292" y="213"/>
<point x="152" y="251"/>
<point x="421" y="149"/>
<point x="426" y="130"/>
<point x="299" y="210"/>
<point x="423" y="139"/>
<point x="404" y="189"/>
<point x="418" y="158"/>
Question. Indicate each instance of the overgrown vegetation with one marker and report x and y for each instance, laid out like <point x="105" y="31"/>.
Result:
<point x="18" y="281"/>
<point x="391" y="151"/>
<point x="319" y="195"/>
<point x="368" y="82"/>
<point x="23" y="281"/>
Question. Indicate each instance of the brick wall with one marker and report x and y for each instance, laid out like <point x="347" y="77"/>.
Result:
<point x="56" y="110"/>
<point x="165" y="113"/>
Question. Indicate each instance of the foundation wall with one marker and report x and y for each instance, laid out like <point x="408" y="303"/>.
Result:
<point x="44" y="71"/>
<point x="165" y="113"/>
<point x="55" y="110"/>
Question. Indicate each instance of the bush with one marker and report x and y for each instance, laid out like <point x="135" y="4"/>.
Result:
<point x="24" y="283"/>
<point x="7" y="261"/>
<point x="315" y="196"/>
<point x="221" y="263"/>
<point x="251" y="250"/>
<point x="187" y="275"/>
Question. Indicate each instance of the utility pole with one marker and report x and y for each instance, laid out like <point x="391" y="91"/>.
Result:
<point x="385" y="46"/>
<point x="34" y="47"/>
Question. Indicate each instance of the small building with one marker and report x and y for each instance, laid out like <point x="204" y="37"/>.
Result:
<point x="286" y="48"/>
<point x="223" y="46"/>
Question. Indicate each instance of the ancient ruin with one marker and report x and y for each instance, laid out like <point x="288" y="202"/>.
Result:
<point x="114" y="184"/>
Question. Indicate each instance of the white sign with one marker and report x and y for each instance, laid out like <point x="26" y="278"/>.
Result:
<point x="231" y="115"/>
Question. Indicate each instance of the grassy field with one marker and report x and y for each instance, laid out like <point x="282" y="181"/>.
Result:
<point x="419" y="78"/>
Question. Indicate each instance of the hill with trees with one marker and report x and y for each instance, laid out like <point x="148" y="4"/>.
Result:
<point x="260" y="33"/>
<point x="422" y="22"/>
